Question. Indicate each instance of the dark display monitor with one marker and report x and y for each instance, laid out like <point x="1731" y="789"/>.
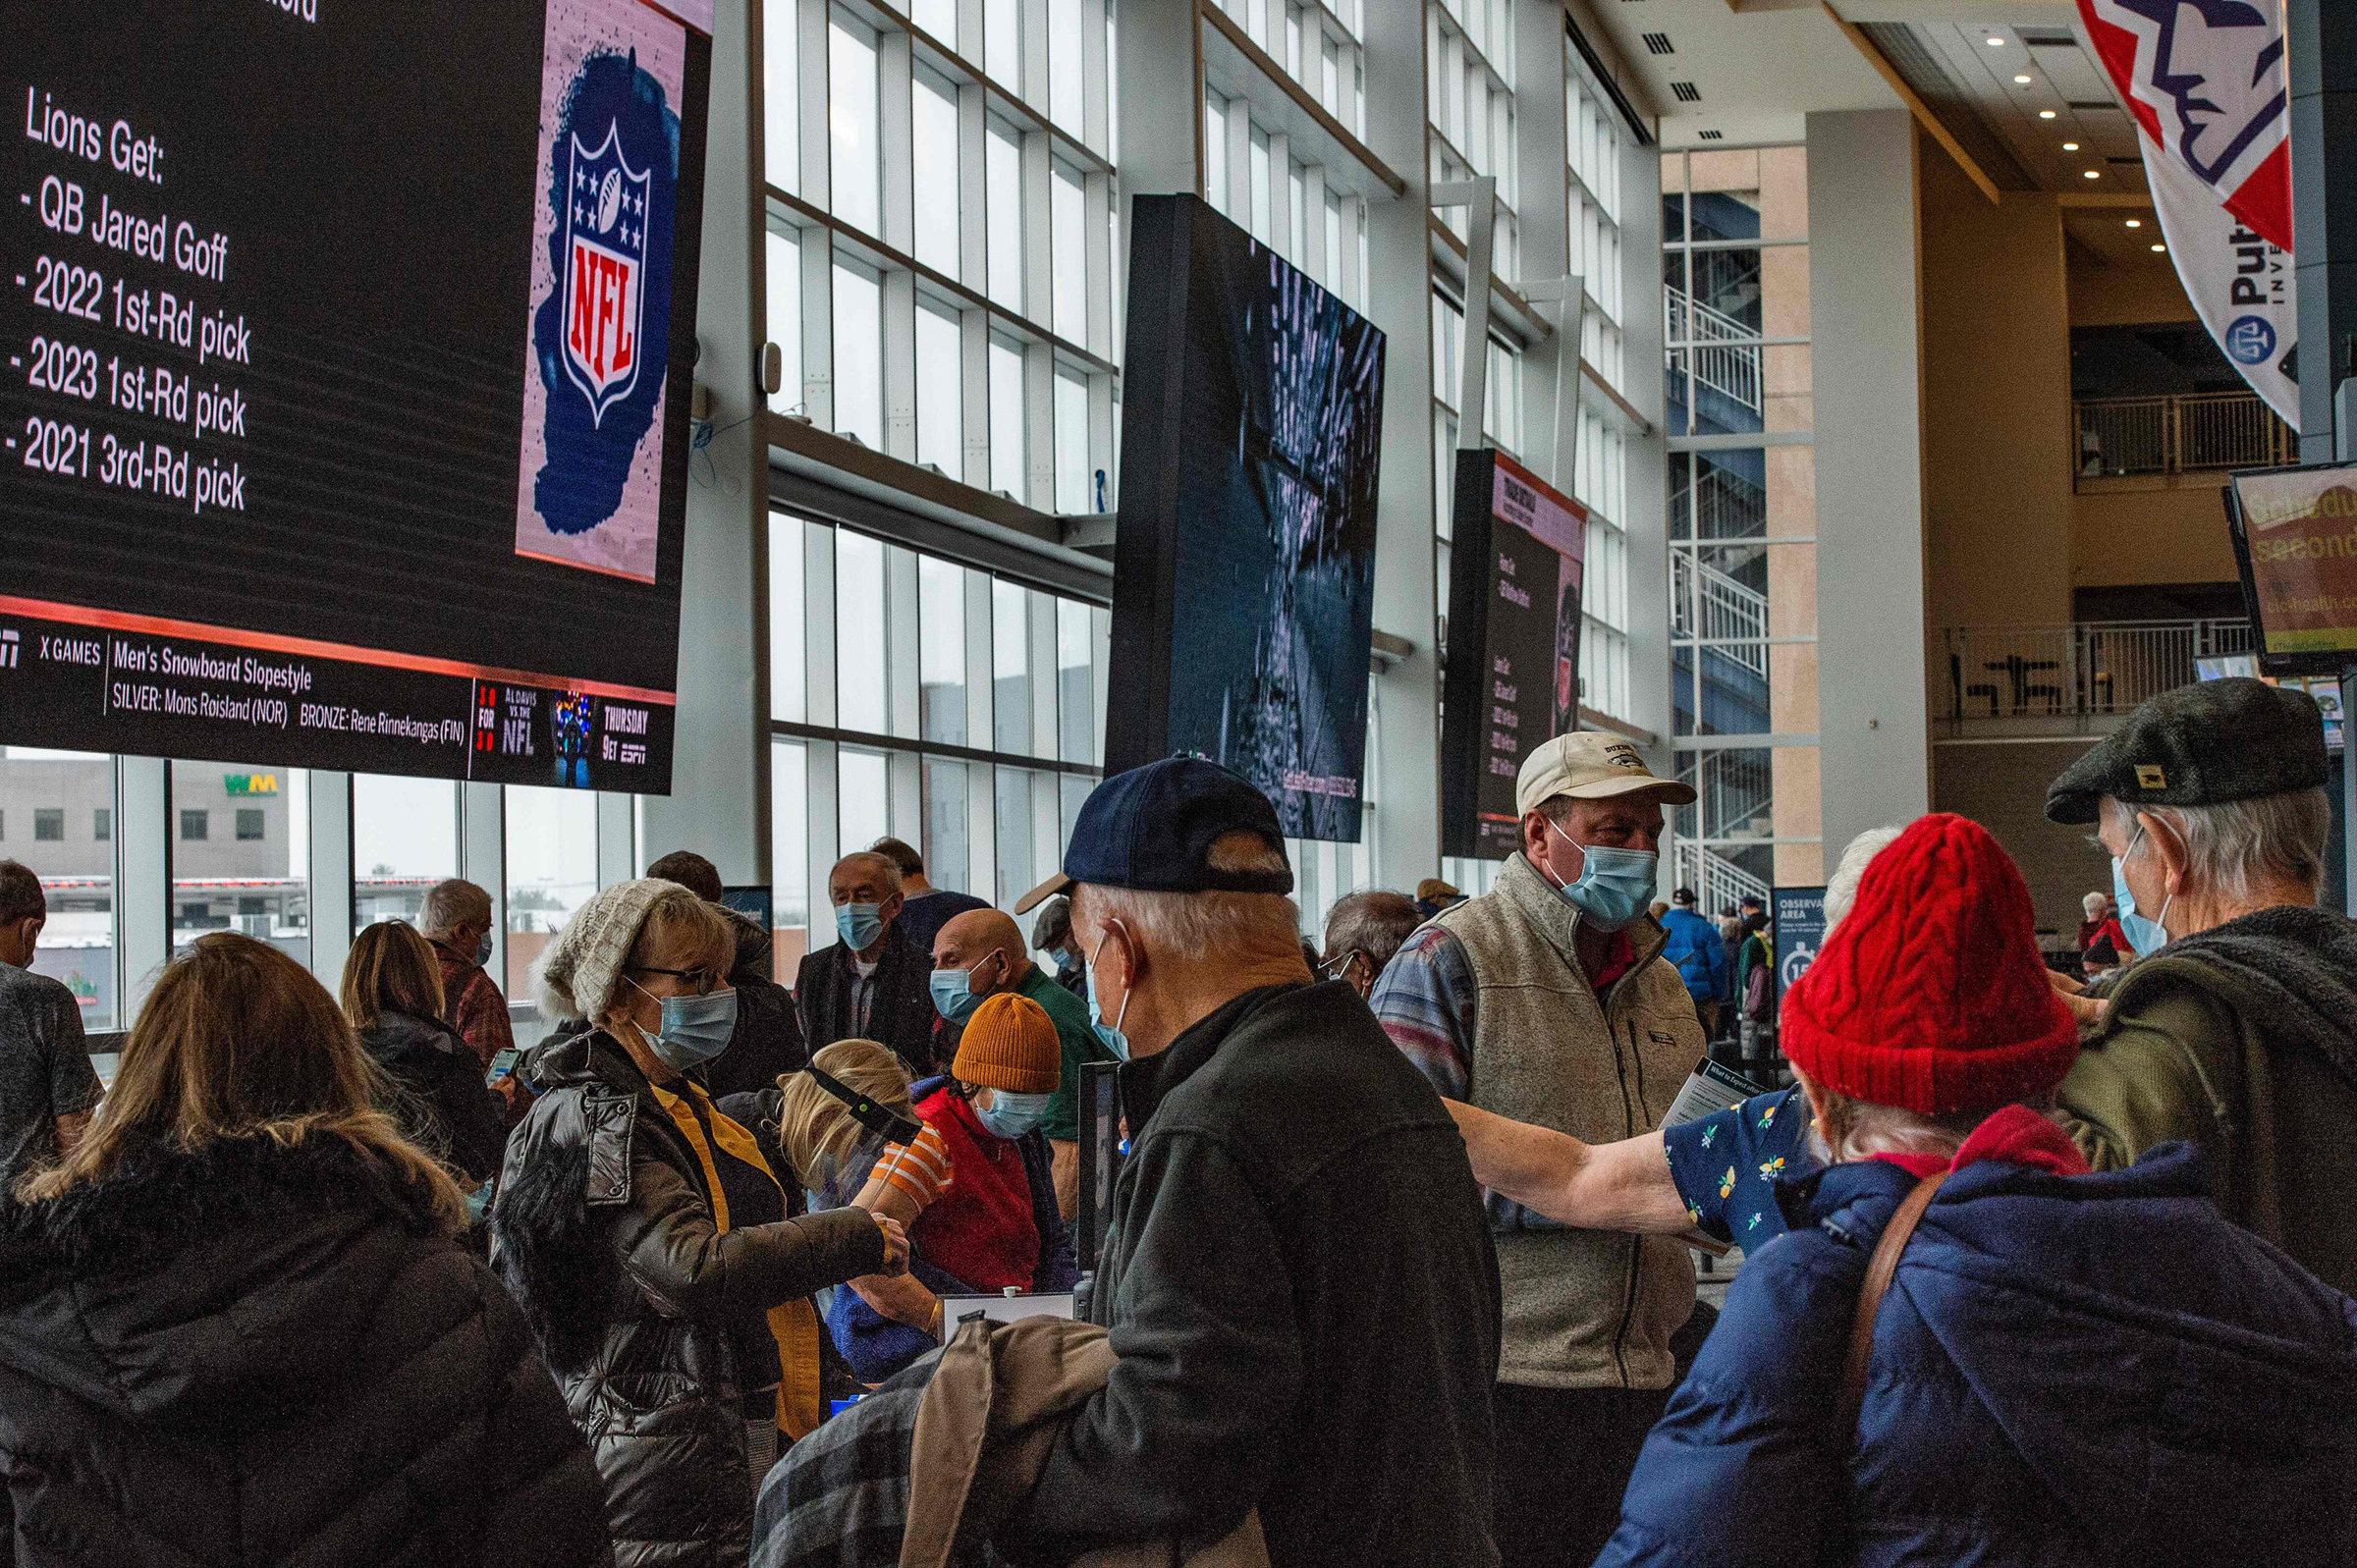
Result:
<point x="1245" y="567"/>
<point x="348" y="345"/>
<point x="1516" y="550"/>
<point x="2295" y="542"/>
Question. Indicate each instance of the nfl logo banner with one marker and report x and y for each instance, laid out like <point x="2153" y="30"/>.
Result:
<point x="597" y="336"/>
<point x="605" y="244"/>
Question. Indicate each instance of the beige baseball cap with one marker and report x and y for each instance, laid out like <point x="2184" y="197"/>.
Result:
<point x="1590" y="765"/>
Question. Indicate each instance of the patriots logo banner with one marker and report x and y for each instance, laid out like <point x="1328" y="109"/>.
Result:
<point x="605" y="268"/>
<point x="2205" y="80"/>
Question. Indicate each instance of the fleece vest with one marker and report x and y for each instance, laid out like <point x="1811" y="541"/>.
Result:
<point x="1581" y="1308"/>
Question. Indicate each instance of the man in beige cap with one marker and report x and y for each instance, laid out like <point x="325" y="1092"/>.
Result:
<point x="1547" y="1000"/>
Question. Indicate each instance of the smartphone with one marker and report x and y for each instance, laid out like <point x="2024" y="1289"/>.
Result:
<point x="502" y="1064"/>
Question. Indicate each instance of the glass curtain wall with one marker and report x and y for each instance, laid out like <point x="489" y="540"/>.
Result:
<point x="1742" y="519"/>
<point x="57" y="817"/>
<point x="940" y="269"/>
<point x="404" y="839"/>
<point x="950" y="707"/>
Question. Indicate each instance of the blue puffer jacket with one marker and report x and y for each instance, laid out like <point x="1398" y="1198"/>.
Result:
<point x="2068" y="1371"/>
<point x="1700" y="954"/>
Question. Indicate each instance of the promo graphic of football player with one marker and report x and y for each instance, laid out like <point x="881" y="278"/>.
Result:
<point x="570" y="719"/>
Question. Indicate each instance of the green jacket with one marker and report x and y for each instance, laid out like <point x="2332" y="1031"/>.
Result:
<point x="2243" y="1041"/>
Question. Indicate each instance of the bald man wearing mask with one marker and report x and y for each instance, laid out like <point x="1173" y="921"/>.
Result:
<point x="980" y="953"/>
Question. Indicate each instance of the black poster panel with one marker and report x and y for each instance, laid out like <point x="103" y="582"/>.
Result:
<point x="343" y="404"/>
<point x="1244" y="565"/>
<point x="1514" y="572"/>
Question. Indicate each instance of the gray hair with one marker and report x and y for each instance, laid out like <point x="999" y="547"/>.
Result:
<point x="1374" y="923"/>
<point x="2235" y="846"/>
<point x="1196" y="925"/>
<point x="888" y="871"/>
<point x="451" y="904"/>
<point x="1841" y="888"/>
<point x="2095" y="903"/>
<point x="1860" y="1128"/>
<point x="21" y="896"/>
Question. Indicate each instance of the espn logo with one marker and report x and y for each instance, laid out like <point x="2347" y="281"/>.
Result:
<point x="8" y="644"/>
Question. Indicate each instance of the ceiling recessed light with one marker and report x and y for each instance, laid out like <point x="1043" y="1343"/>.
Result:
<point x="2159" y="247"/>
<point x="2095" y="174"/>
<point x="2023" y="80"/>
<point x="2135" y="223"/>
<point x="2045" y="114"/>
<point x="2071" y="147"/>
<point x="1995" y="42"/>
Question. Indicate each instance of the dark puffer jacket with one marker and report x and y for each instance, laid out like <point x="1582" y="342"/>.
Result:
<point x="767" y="1043"/>
<point x="256" y="1353"/>
<point x="2068" y="1371"/>
<point x="442" y="1104"/>
<point x="651" y="1316"/>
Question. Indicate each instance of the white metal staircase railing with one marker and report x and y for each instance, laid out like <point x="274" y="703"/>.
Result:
<point x="1717" y="883"/>
<point x="1708" y="604"/>
<point x="1722" y="360"/>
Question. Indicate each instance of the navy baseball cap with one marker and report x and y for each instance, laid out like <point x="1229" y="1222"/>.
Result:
<point x="1151" y="828"/>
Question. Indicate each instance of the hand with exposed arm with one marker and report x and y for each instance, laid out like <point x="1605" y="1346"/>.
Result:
<point x="1609" y="1186"/>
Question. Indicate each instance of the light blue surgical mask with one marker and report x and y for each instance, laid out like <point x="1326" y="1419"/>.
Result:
<point x="1010" y="1115"/>
<point x="953" y="991"/>
<point x="2144" y="933"/>
<point x="1110" y="1034"/>
<point x="1613" y="885"/>
<point x="693" y="1028"/>
<point x="858" y="925"/>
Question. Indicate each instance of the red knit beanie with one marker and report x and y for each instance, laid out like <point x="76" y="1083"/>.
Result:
<point x="1930" y="994"/>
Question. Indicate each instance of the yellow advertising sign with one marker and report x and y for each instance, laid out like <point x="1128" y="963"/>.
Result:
<point x="2301" y="528"/>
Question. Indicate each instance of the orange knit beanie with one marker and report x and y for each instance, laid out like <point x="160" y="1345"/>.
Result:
<point x="1009" y="1044"/>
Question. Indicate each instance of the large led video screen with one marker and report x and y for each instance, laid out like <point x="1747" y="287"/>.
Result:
<point x="1516" y="552"/>
<point x="1244" y="560"/>
<point x="348" y="344"/>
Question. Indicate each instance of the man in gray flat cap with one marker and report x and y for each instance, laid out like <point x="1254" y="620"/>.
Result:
<point x="2237" y="1030"/>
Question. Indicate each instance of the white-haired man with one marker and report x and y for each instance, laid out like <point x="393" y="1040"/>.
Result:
<point x="2238" y="1028"/>
<point x="456" y="918"/>
<point x="1547" y="1000"/>
<point x="869" y="984"/>
<point x="1298" y="1280"/>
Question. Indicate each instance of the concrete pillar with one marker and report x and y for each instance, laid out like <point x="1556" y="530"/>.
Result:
<point x="1873" y="728"/>
<point x="2320" y="58"/>
<point x="719" y="801"/>
<point x="1405" y="770"/>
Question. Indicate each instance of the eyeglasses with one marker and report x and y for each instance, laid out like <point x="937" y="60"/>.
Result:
<point x="701" y="981"/>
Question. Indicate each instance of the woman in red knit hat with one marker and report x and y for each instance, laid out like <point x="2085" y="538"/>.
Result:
<point x="2064" y="1368"/>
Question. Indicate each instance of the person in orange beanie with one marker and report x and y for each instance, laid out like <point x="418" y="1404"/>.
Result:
<point x="996" y="1224"/>
<point x="1970" y="1348"/>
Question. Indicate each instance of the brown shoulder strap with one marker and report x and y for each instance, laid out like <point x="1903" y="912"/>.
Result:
<point x="1870" y="1295"/>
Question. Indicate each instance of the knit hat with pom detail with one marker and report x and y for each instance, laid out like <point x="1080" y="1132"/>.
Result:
<point x="1009" y="1044"/>
<point x="1931" y="994"/>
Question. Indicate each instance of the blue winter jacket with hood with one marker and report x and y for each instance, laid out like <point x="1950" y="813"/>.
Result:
<point x="1701" y="956"/>
<point x="2075" y="1371"/>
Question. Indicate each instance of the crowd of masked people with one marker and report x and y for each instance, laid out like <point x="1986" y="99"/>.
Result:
<point x="2037" y="1268"/>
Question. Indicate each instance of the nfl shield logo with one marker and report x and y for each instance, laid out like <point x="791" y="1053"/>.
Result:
<point x="605" y="267"/>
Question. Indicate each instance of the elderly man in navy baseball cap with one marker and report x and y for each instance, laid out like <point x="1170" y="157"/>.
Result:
<point x="1298" y="1282"/>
